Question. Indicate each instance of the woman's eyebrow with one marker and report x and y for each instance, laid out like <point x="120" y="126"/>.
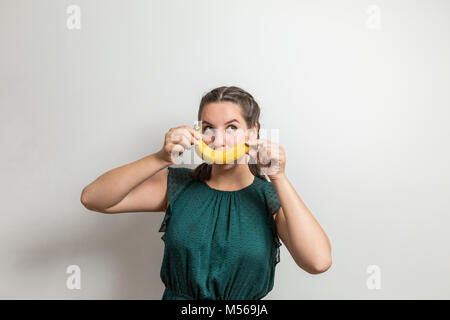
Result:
<point x="204" y="121"/>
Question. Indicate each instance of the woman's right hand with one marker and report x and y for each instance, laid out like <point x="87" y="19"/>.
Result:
<point x="176" y="141"/>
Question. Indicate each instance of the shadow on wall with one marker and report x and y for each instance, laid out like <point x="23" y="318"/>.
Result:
<point x="119" y="256"/>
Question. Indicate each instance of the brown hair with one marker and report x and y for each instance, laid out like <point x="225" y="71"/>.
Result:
<point x="250" y="112"/>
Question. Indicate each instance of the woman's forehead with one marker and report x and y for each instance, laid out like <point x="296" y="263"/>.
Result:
<point x="221" y="113"/>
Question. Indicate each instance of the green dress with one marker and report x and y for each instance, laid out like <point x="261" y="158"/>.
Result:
<point x="218" y="245"/>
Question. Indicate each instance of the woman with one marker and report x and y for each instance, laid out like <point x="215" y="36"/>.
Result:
<point x="222" y="222"/>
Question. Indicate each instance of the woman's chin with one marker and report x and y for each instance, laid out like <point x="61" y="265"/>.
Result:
<point x="233" y="163"/>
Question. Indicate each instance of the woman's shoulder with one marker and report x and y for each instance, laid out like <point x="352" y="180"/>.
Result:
<point x="263" y="184"/>
<point x="178" y="179"/>
<point x="180" y="169"/>
<point x="269" y="193"/>
<point x="180" y="173"/>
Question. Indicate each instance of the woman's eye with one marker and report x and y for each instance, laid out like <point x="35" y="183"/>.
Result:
<point x="209" y="128"/>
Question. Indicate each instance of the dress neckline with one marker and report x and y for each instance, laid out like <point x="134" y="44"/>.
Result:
<point x="231" y="191"/>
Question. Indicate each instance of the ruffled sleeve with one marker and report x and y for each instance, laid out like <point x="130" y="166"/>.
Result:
<point x="273" y="205"/>
<point x="177" y="180"/>
<point x="272" y="200"/>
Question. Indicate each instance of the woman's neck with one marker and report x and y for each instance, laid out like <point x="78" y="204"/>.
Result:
<point x="230" y="176"/>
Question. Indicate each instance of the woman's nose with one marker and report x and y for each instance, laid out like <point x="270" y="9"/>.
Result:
<point x="219" y="139"/>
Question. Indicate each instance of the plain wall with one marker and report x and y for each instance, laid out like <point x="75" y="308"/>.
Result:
<point x="362" y="111"/>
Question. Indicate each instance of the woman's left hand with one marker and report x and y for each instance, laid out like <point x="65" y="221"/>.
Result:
<point x="270" y="157"/>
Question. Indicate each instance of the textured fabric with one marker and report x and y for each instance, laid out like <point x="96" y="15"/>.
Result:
<point x="218" y="245"/>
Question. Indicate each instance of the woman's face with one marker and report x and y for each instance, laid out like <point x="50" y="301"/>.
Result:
<point x="223" y="125"/>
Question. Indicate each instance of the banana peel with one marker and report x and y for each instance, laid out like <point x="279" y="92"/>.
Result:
<point x="223" y="156"/>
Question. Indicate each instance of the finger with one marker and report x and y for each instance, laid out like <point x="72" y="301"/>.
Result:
<point x="272" y="146"/>
<point x="272" y="155"/>
<point x="253" y="147"/>
<point x="262" y="146"/>
<point x="184" y="141"/>
<point x="253" y="158"/>
<point x="194" y="133"/>
<point x="175" y="136"/>
<point x="177" y="150"/>
<point x="190" y="137"/>
<point x="252" y="141"/>
<point x="252" y="153"/>
<point x="189" y="133"/>
<point x="180" y="140"/>
<point x="264" y="156"/>
<point x="261" y="142"/>
<point x="269" y="147"/>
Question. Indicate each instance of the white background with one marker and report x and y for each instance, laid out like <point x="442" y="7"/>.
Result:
<point x="363" y="114"/>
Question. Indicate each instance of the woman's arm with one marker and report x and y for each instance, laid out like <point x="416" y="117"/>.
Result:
<point x="110" y="190"/>
<point x="114" y="185"/>
<point x="299" y="230"/>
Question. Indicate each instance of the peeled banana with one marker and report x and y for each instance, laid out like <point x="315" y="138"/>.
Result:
<point x="219" y="156"/>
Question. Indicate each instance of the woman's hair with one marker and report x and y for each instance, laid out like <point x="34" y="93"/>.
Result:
<point x="250" y="112"/>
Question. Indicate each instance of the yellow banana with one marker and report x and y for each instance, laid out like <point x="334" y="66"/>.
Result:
<point x="219" y="156"/>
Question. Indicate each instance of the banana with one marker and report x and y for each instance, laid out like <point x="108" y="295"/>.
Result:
<point x="219" y="156"/>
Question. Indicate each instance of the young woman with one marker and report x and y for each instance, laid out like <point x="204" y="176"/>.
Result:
<point x="222" y="222"/>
